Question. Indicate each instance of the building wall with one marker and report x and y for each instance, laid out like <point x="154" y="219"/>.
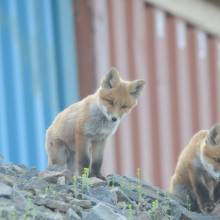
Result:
<point x="38" y="74"/>
<point x="181" y="67"/>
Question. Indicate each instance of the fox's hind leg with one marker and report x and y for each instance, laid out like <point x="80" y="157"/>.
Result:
<point x="181" y="191"/>
<point x="58" y="152"/>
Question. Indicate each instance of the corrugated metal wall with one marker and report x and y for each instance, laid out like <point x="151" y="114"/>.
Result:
<point x="38" y="74"/>
<point x="181" y="67"/>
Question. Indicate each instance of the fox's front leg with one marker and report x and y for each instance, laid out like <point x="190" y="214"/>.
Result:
<point x="98" y="149"/>
<point x="217" y="193"/>
<point x="202" y="194"/>
<point x="82" y="152"/>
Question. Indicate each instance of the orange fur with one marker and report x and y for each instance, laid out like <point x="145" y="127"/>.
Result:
<point x="197" y="173"/>
<point x="79" y="134"/>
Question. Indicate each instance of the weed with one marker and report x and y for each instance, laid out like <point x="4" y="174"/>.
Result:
<point x="53" y="194"/>
<point x="108" y="182"/>
<point x="123" y="206"/>
<point x="85" y="179"/>
<point x="129" y="212"/>
<point x="10" y="163"/>
<point x="138" y="173"/>
<point x="140" y="193"/>
<point x="154" y="209"/>
<point x="75" y="186"/>
<point x="29" y="194"/>
<point x="187" y="202"/>
<point x="122" y="185"/>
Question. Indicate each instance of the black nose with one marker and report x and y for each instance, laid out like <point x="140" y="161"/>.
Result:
<point x="114" y="119"/>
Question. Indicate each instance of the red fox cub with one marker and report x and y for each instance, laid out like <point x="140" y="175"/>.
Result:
<point x="77" y="137"/>
<point x="197" y="174"/>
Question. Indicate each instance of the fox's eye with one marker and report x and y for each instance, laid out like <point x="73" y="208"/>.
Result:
<point x="216" y="160"/>
<point x="110" y="102"/>
<point x="124" y="106"/>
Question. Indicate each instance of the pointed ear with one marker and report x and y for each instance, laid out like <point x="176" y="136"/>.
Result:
<point x="213" y="137"/>
<point x="111" y="79"/>
<point x="135" y="88"/>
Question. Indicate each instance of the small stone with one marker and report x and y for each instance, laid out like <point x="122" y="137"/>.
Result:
<point x="39" y="183"/>
<point x="122" y="197"/>
<point x="93" y="215"/>
<point x="7" y="170"/>
<point x="6" y="191"/>
<point x="52" y="176"/>
<point x="144" y="216"/>
<point x="1" y="158"/>
<point x="82" y="203"/>
<point x="30" y="173"/>
<point x="107" y="213"/>
<point x="17" y="194"/>
<point x="72" y="214"/>
<point x="114" y="195"/>
<point x="131" y="194"/>
<point x="95" y="182"/>
<point x="26" y="187"/>
<point x="54" y="216"/>
<point x="24" y="167"/>
<point x="18" y="170"/>
<point x="55" y="167"/>
<point x="61" y="181"/>
<point x="102" y="194"/>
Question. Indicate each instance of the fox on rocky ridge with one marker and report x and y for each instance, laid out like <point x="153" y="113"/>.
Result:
<point x="79" y="134"/>
<point x="197" y="174"/>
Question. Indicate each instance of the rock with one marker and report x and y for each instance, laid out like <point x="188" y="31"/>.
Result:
<point x="102" y="194"/>
<point x="17" y="194"/>
<point x="30" y="173"/>
<point x="62" y="197"/>
<point x="24" y="167"/>
<point x="216" y="212"/>
<point x="18" y="170"/>
<point x="72" y="214"/>
<point x="114" y="179"/>
<point x="61" y="180"/>
<point x="107" y="213"/>
<point x="95" y="182"/>
<point x="54" y="216"/>
<point x="7" y="170"/>
<point x="54" y="204"/>
<point x="55" y="167"/>
<point x="52" y="176"/>
<point x="1" y="158"/>
<point x="93" y="215"/>
<point x="114" y="195"/>
<point x="38" y="183"/>
<point x="26" y="187"/>
<point x="82" y="203"/>
<point x="6" y="191"/>
<point x="144" y="216"/>
<point x="131" y="194"/>
<point x="121" y="197"/>
<point x="94" y="201"/>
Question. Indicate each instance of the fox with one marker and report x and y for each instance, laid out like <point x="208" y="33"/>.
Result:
<point x="197" y="175"/>
<point x="78" y="136"/>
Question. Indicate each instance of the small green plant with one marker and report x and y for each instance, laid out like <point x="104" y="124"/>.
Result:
<point x="187" y="202"/>
<point x="53" y="194"/>
<point x="108" y="182"/>
<point x="154" y="209"/>
<point x="10" y="163"/>
<point x="113" y="184"/>
<point x="123" y="206"/>
<point x="138" y="174"/>
<point x="129" y="212"/>
<point x="85" y="179"/>
<point x="122" y="185"/>
<point x="75" y="186"/>
<point x="29" y="194"/>
<point x="140" y="193"/>
<point x="6" y="179"/>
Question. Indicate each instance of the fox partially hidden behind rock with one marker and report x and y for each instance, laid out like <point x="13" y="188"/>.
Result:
<point x="198" y="171"/>
<point x="79" y="134"/>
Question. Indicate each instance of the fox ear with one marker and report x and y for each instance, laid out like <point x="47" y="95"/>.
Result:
<point x="213" y="137"/>
<point x="111" y="79"/>
<point x="135" y="88"/>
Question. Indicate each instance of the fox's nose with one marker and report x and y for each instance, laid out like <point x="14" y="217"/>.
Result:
<point x="114" y="119"/>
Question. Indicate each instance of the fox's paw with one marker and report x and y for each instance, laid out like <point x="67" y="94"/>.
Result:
<point x="101" y="177"/>
<point x="209" y="206"/>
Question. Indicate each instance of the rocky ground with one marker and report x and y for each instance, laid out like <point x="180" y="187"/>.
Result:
<point x="56" y="193"/>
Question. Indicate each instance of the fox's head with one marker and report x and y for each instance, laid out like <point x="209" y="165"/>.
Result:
<point x="211" y="152"/>
<point x="118" y="97"/>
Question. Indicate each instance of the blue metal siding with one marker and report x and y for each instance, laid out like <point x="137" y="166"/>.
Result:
<point x="38" y="74"/>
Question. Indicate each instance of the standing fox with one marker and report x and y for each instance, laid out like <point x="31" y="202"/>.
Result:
<point x="197" y="175"/>
<point x="79" y="134"/>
